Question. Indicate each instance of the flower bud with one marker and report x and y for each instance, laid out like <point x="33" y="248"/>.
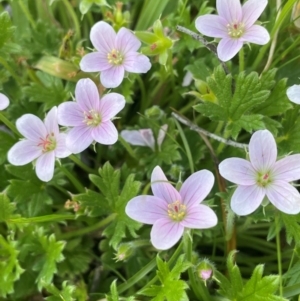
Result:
<point x="124" y="251"/>
<point x="205" y="270"/>
<point x="154" y="113"/>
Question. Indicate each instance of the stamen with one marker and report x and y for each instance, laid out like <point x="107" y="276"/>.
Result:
<point x="263" y="179"/>
<point x="115" y="57"/>
<point x="177" y="211"/>
<point x="235" y="30"/>
<point x="92" y="118"/>
<point x="48" y="144"/>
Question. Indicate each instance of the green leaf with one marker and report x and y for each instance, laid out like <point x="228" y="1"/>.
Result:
<point x="66" y="294"/>
<point x="234" y="274"/>
<point x="6" y="208"/>
<point x="292" y="227"/>
<point x="6" y="28"/>
<point x="7" y="141"/>
<point x="212" y="111"/>
<point x="171" y="288"/>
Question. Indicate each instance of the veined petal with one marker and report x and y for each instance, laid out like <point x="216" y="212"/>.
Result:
<point x="94" y="62"/>
<point x="238" y="171"/>
<point x="61" y="150"/>
<point x="110" y="105"/>
<point x="230" y="10"/>
<point x="51" y="122"/>
<point x="287" y="169"/>
<point x="228" y="48"/>
<point x="79" y="138"/>
<point x="106" y="133"/>
<point x="31" y="127"/>
<point x="103" y="37"/>
<point x="252" y="9"/>
<point x="87" y="95"/>
<point x="4" y="101"/>
<point x="246" y="199"/>
<point x="136" y="63"/>
<point x="70" y="114"/>
<point x="196" y="187"/>
<point x="45" y="166"/>
<point x="162" y="134"/>
<point x="262" y="150"/>
<point x="256" y="34"/>
<point x="148" y="137"/>
<point x="212" y="26"/>
<point x="135" y="137"/>
<point x="161" y="187"/>
<point x="284" y="197"/>
<point x="112" y="78"/>
<point x="147" y="209"/>
<point x="293" y="94"/>
<point x="126" y="41"/>
<point x="23" y="152"/>
<point x="165" y="233"/>
<point x="199" y="217"/>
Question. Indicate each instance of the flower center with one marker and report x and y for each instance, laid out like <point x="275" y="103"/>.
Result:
<point x="263" y="179"/>
<point x="92" y="118"/>
<point x="115" y="57"/>
<point x="236" y="30"/>
<point x="48" y="144"/>
<point x="177" y="211"/>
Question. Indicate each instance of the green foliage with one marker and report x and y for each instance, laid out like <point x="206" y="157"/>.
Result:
<point x="171" y="288"/>
<point x="7" y="142"/>
<point x="85" y="5"/>
<point x="66" y="294"/>
<point x="6" y="28"/>
<point x="257" y="288"/>
<point x="6" y="208"/>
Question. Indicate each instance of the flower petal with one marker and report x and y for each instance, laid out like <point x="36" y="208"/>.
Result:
<point x="256" y="34"/>
<point x="61" y="150"/>
<point x="45" y="166"/>
<point x="51" y="122"/>
<point x="162" y="134"/>
<point x="23" y="152"/>
<point x="199" y="217"/>
<point x="230" y="10"/>
<point x="106" y="133"/>
<point x="262" y="150"/>
<point x="246" y="199"/>
<point x="112" y="78"/>
<point x="126" y="41"/>
<point x="79" y="138"/>
<point x="238" y="171"/>
<point x="252" y="9"/>
<point x="196" y="187"/>
<point x="31" y="127"/>
<point x="284" y="197"/>
<point x="143" y="137"/>
<point x="87" y="95"/>
<point x="94" y="62"/>
<point x="161" y="187"/>
<point x="293" y="94"/>
<point x="165" y="233"/>
<point x="146" y="209"/>
<point x="70" y="114"/>
<point x="103" y="37"/>
<point x="136" y="63"/>
<point x="212" y="26"/>
<point x="110" y="105"/>
<point x="4" y="101"/>
<point x="228" y="48"/>
<point x="287" y="169"/>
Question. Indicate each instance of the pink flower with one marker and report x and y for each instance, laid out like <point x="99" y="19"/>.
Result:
<point x="171" y="211"/>
<point x="116" y="54"/>
<point x="90" y="117"/>
<point x="234" y="26"/>
<point x="43" y="142"/>
<point x="4" y="102"/>
<point x="293" y="94"/>
<point x="263" y="176"/>
<point x="144" y="137"/>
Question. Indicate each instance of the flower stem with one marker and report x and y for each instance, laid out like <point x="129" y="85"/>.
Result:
<point x="279" y="255"/>
<point x="10" y="70"/>
<point x="89" y="229"/>
<point x="241" y="60"/>
<point x="27" y="14"/>
<point x="73" y="180"/>
<point x="9" y="124"/>
<point x="198" y="287"/>
<point x="74" y="18"/>
<point x="81" y="164"/>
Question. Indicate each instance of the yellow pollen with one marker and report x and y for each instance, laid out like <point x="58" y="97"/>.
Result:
<point x="48" y="144"/>
<point x="177" y="211"/>
<point x="115" y="57"/>
<point x="92" y="118"/>
<point x="236" y="30"/>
